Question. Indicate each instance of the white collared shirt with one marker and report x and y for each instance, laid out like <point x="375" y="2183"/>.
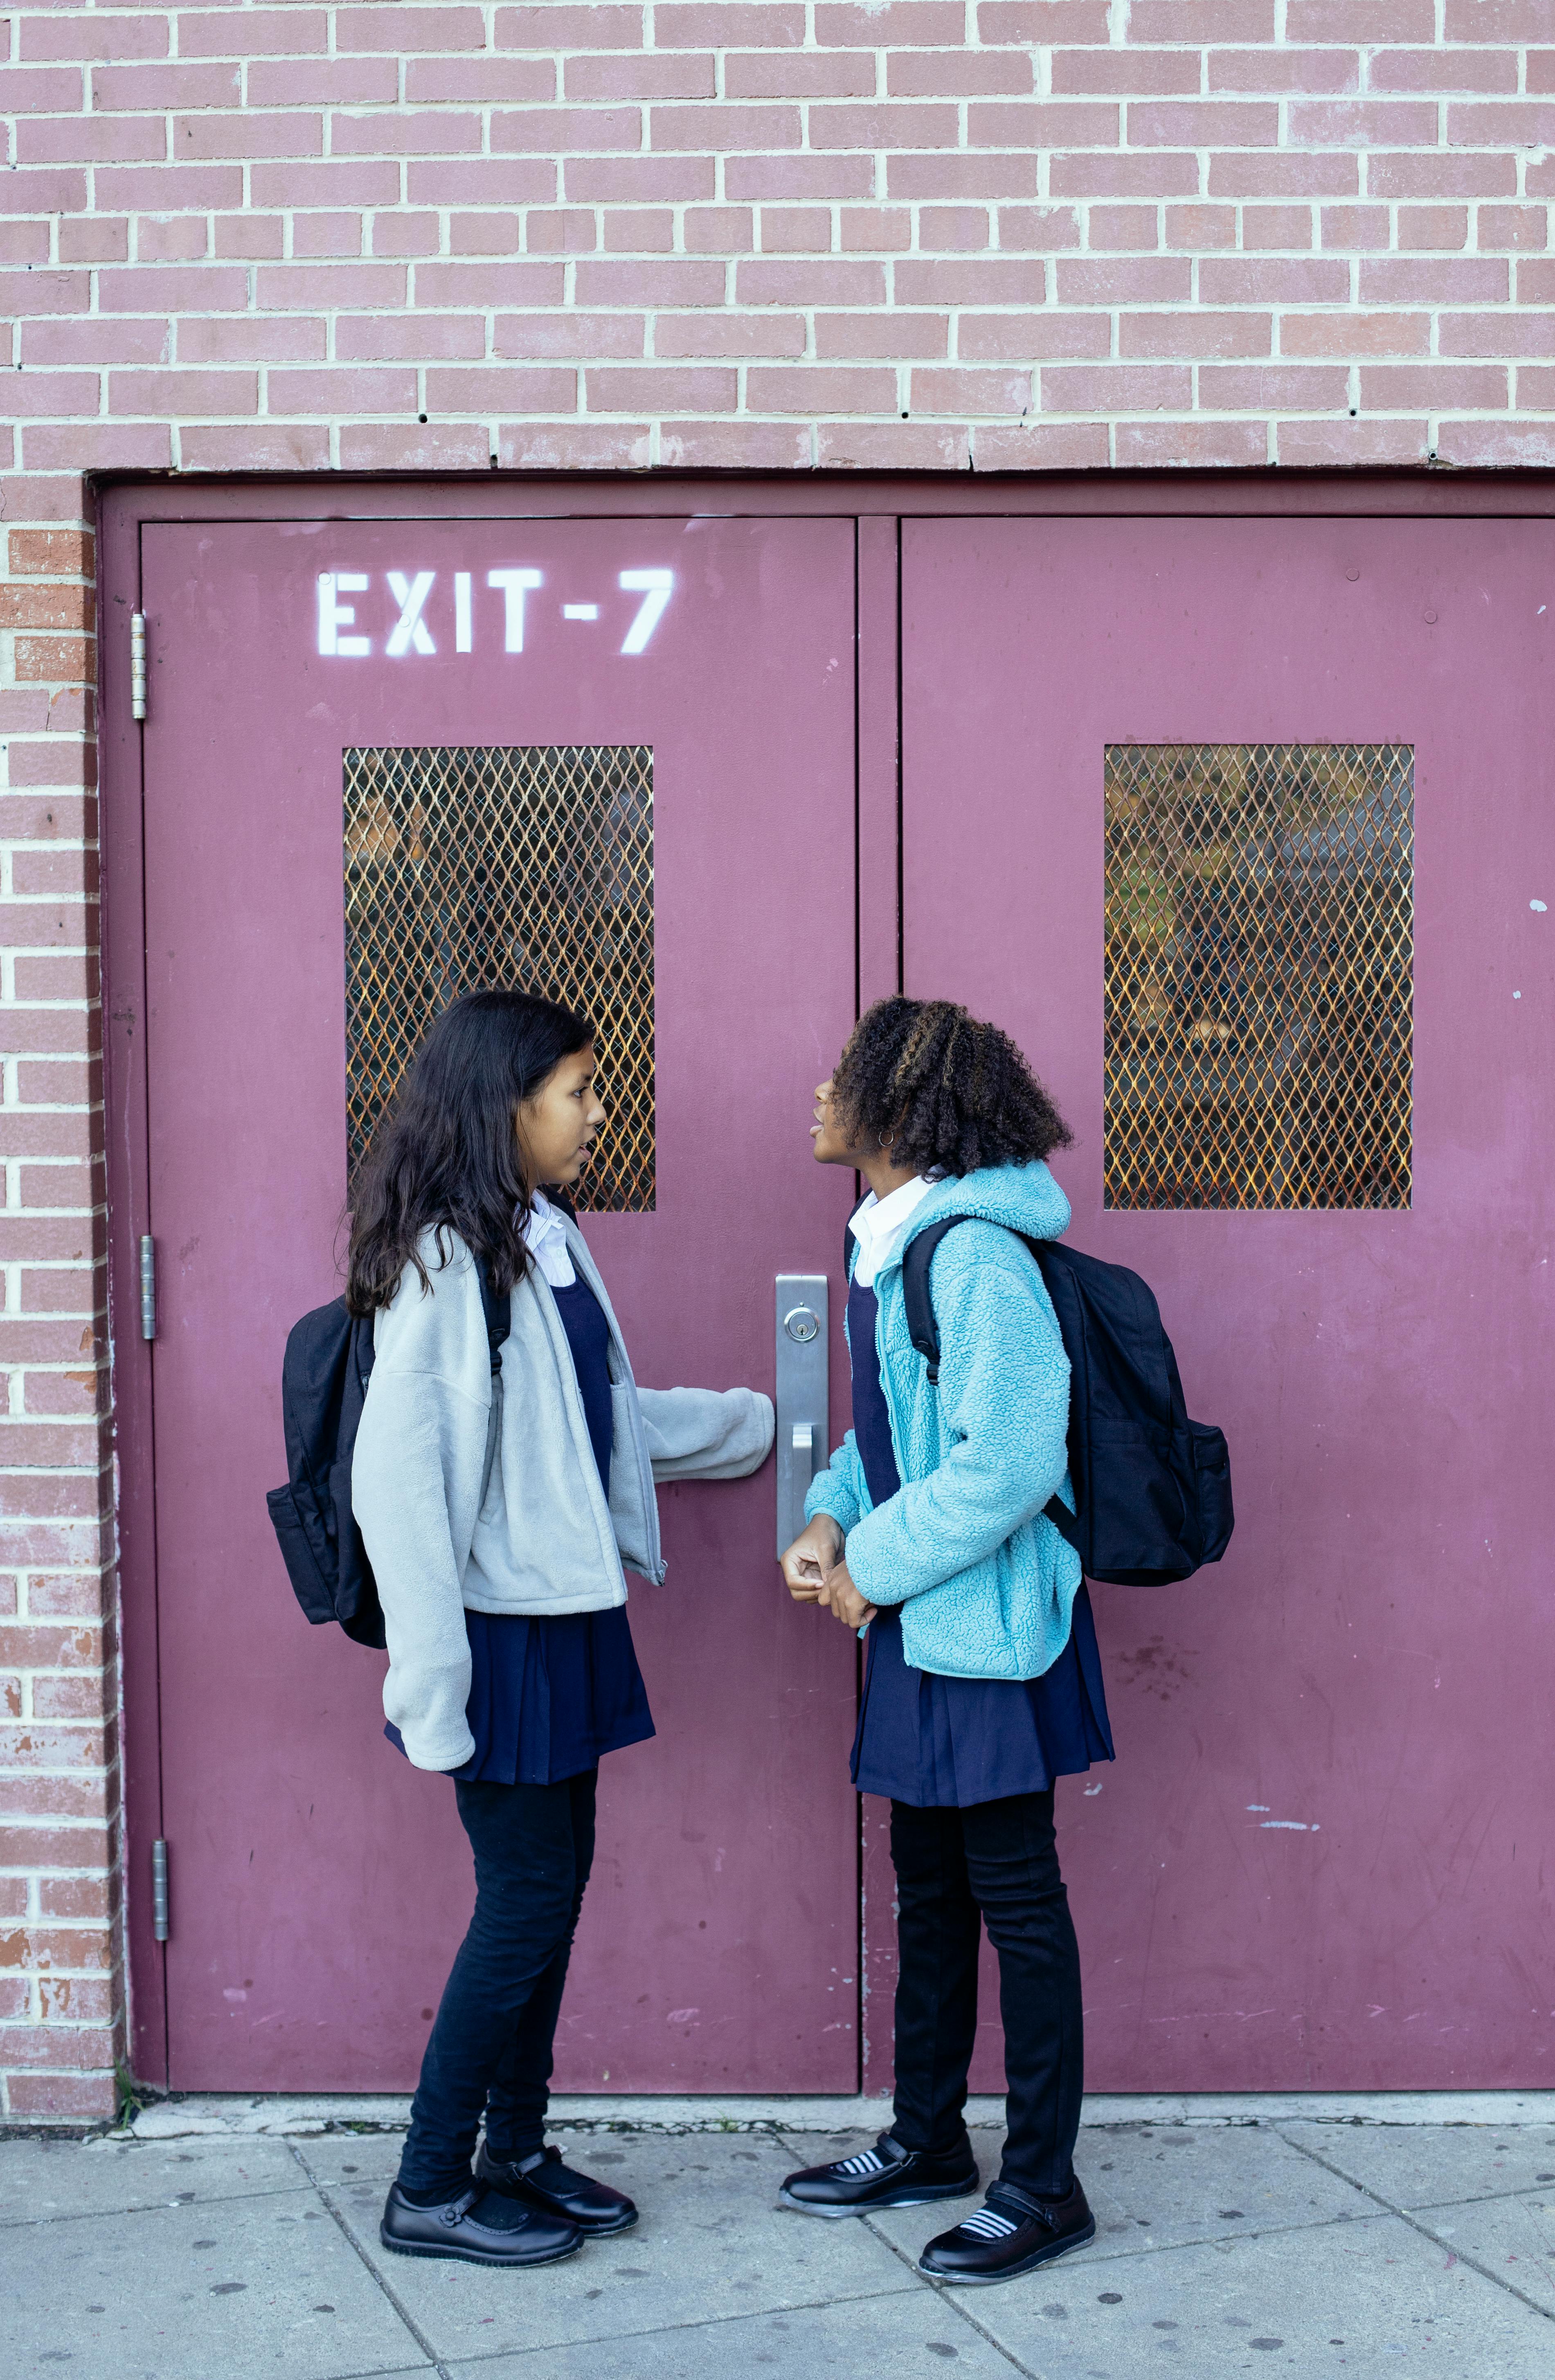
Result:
<point x="880" y="1223"/>
<point x="545" y="1236"/>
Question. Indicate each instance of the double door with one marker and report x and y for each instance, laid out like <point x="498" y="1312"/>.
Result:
<point x="1241" y="826"/>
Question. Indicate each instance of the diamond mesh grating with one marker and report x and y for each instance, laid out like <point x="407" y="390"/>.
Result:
<point x="1259" y="975"/>
<point x="468" y="865"/>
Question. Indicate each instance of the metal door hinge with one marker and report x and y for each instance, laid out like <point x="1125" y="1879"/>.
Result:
<point x="159" y="1890"/>
<point x="138" y="665"/>
<point x="148" y="1286"/>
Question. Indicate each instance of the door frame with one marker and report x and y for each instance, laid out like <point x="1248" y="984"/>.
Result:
<point x="878" y="504"/>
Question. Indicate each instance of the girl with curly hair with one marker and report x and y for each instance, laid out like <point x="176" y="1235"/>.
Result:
<point x="982" y="1681"/>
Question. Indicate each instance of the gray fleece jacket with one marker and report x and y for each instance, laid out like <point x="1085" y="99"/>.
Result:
<point x="494" y="1502"/>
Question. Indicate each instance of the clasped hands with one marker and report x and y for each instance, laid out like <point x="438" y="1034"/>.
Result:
<point x="814" y="1572"/>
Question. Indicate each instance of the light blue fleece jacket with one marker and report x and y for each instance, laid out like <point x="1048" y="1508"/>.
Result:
<point x="987" y="1584"/>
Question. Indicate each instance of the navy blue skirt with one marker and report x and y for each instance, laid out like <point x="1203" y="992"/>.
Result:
<point x="943" y="1744"/>
<point x="549" y="1696"/>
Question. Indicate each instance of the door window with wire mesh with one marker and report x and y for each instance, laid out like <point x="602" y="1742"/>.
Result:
<point x="1259" y="975"/>
<point x="530" y="866"/>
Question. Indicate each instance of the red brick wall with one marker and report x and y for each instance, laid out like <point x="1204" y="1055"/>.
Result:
<point x="759" y="233"/>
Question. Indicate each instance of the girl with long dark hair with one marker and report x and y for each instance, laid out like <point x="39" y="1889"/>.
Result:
<point x="503" y="1479"/>
<point x="982" y="1681"/>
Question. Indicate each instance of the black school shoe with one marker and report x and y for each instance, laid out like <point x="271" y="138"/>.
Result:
<point x="1010" y="2233"/>
<point x="544" y="2182"/>
<point x="477" y="2228"/>
<point x="887" y="2175"/>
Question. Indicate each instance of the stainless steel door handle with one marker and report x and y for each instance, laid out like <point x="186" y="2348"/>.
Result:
<point x="802" y="1384"/>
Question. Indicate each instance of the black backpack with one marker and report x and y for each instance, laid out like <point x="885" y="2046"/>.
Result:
<point x="1152" y="1489"/>
<point x="323" y="1387"/>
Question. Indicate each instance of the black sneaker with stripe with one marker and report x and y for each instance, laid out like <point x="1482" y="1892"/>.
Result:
<point x="887" y="2175"/>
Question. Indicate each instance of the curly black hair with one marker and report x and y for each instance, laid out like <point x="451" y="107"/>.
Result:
<point x="943" y="1090"/>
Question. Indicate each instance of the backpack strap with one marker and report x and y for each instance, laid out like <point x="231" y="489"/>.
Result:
<point x="849" y="1242"/>
<point x="923" y="1331"/>
<point x="498" y="1311"/>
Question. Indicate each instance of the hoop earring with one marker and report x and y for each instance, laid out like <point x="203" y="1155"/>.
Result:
<point x="885" y="1138"/>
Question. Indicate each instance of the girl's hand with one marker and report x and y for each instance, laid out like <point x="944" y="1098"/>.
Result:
<point x="812" y="1555"/>
<point x="839" y="1593"/>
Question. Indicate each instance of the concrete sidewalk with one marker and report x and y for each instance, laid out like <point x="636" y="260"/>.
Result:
<point x="1287" y="2244"/>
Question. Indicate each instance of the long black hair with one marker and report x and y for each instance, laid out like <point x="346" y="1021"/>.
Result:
<point x="943" y="1090"/>
<point x="447" y="1157"/>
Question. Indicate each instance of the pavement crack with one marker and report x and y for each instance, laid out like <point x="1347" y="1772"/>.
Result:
<point x="949" y="2298"/>
<point x="406" y="2318"/>
<point x="1423" y="2231"/>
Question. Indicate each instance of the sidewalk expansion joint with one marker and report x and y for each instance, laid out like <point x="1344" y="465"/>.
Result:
<point x="1475" y="2263"/>
<point x="403" y="2311"/>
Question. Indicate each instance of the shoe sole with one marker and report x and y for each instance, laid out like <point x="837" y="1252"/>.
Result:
<point x="473" y="2256"/>
<point x="1027" y="2264"/>
<point x="924" y="2196"/>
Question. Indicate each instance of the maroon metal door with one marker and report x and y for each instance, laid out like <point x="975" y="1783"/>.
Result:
<point x="1316" y="1863"/>
<point x="319" y="1884"/>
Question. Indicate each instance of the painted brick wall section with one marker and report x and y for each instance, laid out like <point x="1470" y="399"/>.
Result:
<point x="758" y="234"/>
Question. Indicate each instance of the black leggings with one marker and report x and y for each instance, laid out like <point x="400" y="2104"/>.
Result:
<point x="997" y="1861"/>
<point x="491" y="2046"/>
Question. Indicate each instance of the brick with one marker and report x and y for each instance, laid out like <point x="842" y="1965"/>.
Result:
<point x="1043" y="124"/>
<point x="1300" y="71"/>
<point x="125" y="35"/>
<point x="435" y="446"/>
<point x="552" y="26"/>
<point x="171" y="239"/>
<point x="562" y="132"/>
<point x="815" y="390"/>
<point x="1201" y="228"/>
<point x="883" y="124"/>
<point x="46" y="659"/>
<point x="637" y="231"/>
<point x="1104" y="388"/>
<point x="734" y="445"/>
<point x="80" y="2098"/>
<point x="799" y="74"/>
<point x="76" y="1898"/>
<point x="45" y="293"/>
<point x="795" y="231"/>
<point x="1040" y="446"/>
<point x="80" y="1593"/>
<point x="501" y="388"/>
<point x="899" y="335"/>
<point x="628" y="181"/>
<point x="959" y="393"/>
<point x="256" y="33"/>
<point x="175" y="288"/>
<point x="1491" y="445"/>
<point x="255" y="446"/>
<point x="1358" y="227"/>
<point x="990" y="281"/>
<point x="1123" y="227"/>
<point x="1127" y="72"/>
<point x="48" y="606"/>
<point x="679" y="75"/>
<point x="89" y="139"/>
<point x="1251" y="174"/>
<point x="482" y="181"/>
<point x="64" y="2048"/>
<point x="1125" y="281"/>
<point x="164" y="86"/>
<point x="1513" y="335"/>
<point x="816" y="281"/>
<point x="1449" y="69"/>
<point x="431" y="132"/>
<point x="1511" y="227"/>
<point x="1202" y="124"/>
<point x="479" y="81"/>
<point x="341" y="389"/>
<point x="53" y="393"/>
<point x="249" y="338"/>
<point x="1435" y="281"/>
<point x="647" y="281"/>
<point x="94" y="239"/>
<point x="331" y="182"/>
<point x="1442" y="175"/>
<point x="406" y="235"/>
<point x="303" y="285"/>
<point x="723" y="230"/>
<point x="1273" y="281"/>
<point x="1499" y="20"/>
<point x="273" y="133"/>
<point x="1197" y="445"/>
<point x="1276" y="228"/>
<point x="1391" y="388"/>
<point x="24" y="243"/>
<point x="1273" y="388"/>
<point x="725" y="26"/>
<point x="765" y="334"/>
<point x="1155" y="175"/>
<point x="892" y="445"/>
<point x="1433" y="227"/>
<point x="529" y="282"/>
<point x="1192" y="336"/>
<point x="1355" y="335"/>
<point x="549" y="231"/>
<point x="178" y="393"/>
<point x="1374" y="22"/>
<point x="572" y="446"/>
<point x="983" y="174"/>
<point x="645" y="388"/>
<point x="1536" y="390"/>
<point x="954" y="230"/>
<point x="162" y="189"/>
<point x="324" y="82"/>
<point x="1045" y="229"/>
<point x="958" y="73"/>
<point x="896" y="24"/>
<point x="765" y="130"/>
<point x="402" y="29"/>
<point x="413" y="338"/>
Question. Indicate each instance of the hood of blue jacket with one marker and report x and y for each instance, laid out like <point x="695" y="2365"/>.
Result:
<point x="1022" y="1197"/>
